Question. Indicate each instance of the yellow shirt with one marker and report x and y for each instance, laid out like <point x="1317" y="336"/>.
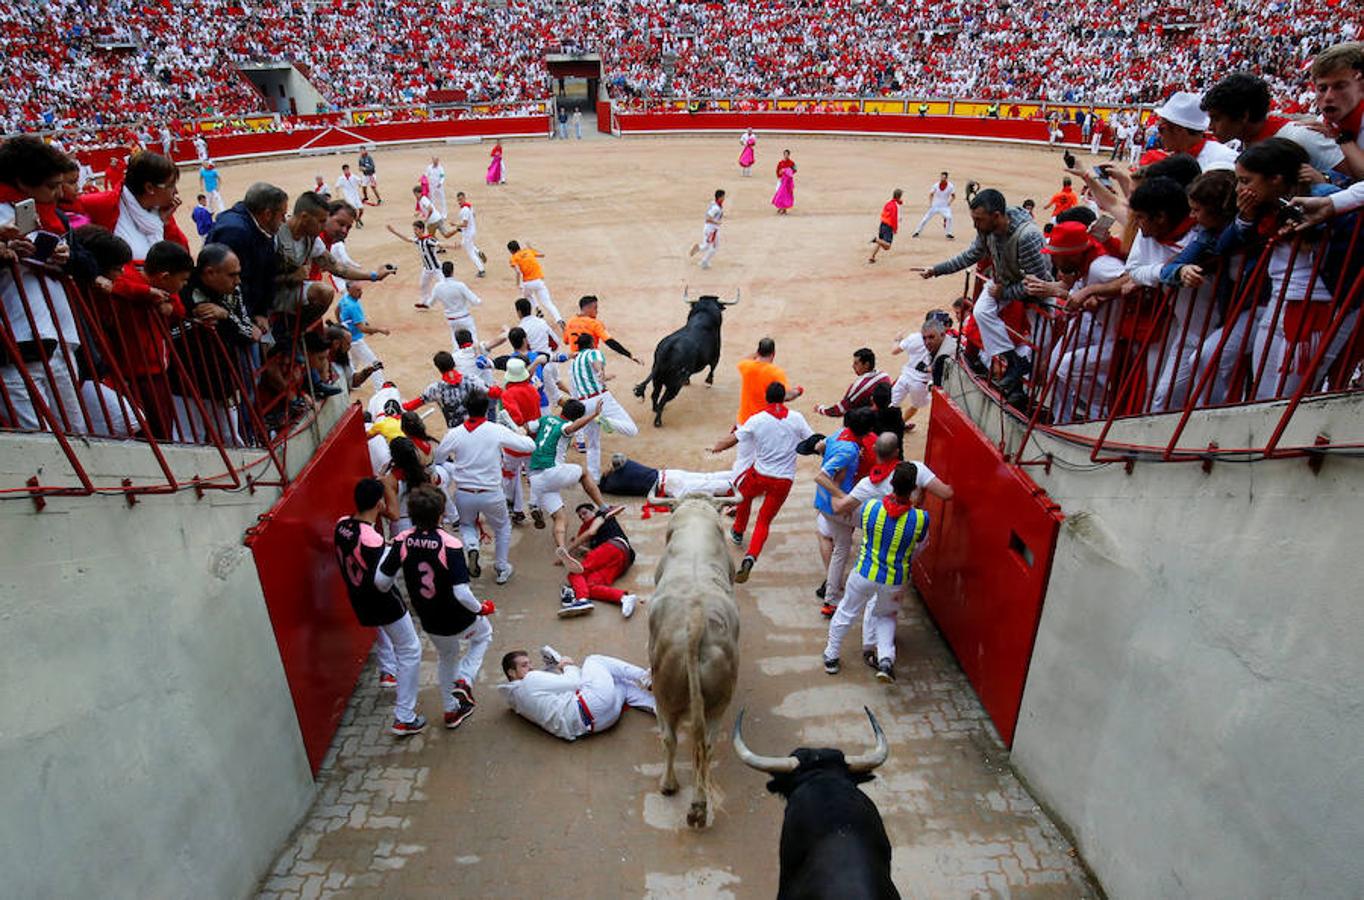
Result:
<point x="527" y="263"/>
<point x="754" y="377"/>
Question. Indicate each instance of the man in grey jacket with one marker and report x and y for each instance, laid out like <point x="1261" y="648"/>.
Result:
<point x="1013" y="243"/>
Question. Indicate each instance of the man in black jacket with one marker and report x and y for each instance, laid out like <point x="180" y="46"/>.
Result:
<point x="248" y="228"/>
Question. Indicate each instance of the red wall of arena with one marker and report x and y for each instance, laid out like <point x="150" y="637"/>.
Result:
<point x="1031" y="130"/>
<point x="321" y="645"/>
<point x="233" y="146"/>
<point x="984" y="573"/>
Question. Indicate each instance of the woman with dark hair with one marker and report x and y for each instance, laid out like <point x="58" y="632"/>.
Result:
<point x="405" y="472"/>
<point x="1303" y="273"/>
<point x="34" y="254"/>
<point x="142" y="210"/>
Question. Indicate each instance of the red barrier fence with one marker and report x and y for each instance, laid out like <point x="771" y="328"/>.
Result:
<point x="960" y="127"/>
<point x="321" y="645"/>
<point x="984" y="573"/>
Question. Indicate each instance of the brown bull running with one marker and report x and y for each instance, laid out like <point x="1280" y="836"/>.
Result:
<point x="693" y="641"/>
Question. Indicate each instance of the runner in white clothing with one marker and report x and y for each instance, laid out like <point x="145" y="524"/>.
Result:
<point x="710" y="232"/>
<point x="940" y="197"/>
<point x="435" y="181"/>
<point x="455" y="296"/>
<point x="468" y="229"/>
<point x="427" y="212"/>
<point x="570" y="701"/>
<point x="349" y="186"/>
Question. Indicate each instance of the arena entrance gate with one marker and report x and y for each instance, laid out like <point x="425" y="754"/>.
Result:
<point x="576" y="81"/>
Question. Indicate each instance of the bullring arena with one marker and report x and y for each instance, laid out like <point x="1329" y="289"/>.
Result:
<point x="499" y="807"/>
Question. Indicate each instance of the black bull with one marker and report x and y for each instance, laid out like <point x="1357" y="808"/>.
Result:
<point x="688" y="350"/>
<point x="833" y="842"/>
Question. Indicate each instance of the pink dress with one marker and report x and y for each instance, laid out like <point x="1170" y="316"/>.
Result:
<point x="785" y="197"/>
<point x="746" y="158"/>
<point x="495" y="167"/>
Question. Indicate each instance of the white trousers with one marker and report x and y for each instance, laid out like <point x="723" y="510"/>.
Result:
<point x="458" y="323"/>
<point x="1278" y="356"/>
<point x="550" y="382"/>
<point x="492" y="505"/>
<point x="994" y="334"/>
<point x="608" y="686"/>
<point x="438" y="200"/>
<point x="944" y="211"/>
<point x="471" y="250"/>
<point x="190" y="425"/>
<point x="400" y="654"/>
<point x="1094" y="141"/>
<point x="546" y="484"/>
<point x="215" y="202"/>
<point x="538" y="293"/>
<point x="58" y="392"/>
<point x="512" y="467"/>
<point x="680" y="483"/>
<point x="710" y="242"/>
<point x="911" y="384"/>
<point x="362" y="355"/>
<point x="1082" y="371"/>
<point x="430" y="278"/>
<point x="859" y="591"/>
<point x="840" y="531"/>
<point x="451" y="666"/>
<point x="616" y="419"/>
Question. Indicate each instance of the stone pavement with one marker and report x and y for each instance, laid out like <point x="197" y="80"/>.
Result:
<point x="499" y="808"/>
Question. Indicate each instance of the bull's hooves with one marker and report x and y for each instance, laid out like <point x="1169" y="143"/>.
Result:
<point x="658" y="423"/>
<point x="696" y="817"/>
<point x="668" y="790"/>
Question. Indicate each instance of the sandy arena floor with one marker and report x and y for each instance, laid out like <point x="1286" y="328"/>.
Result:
<point x="498" y="808"/>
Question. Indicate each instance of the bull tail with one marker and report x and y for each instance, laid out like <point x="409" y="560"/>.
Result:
<point x="639" y="388"/>
<point x="700" y="738"/>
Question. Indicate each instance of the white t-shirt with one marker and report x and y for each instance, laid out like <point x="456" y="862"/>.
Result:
<point x="716" y="212"/>
<point x="1148" y="256"/>
<point x="771" y="442"/>
<point x="435" y="177"/>
<point x="941" y="196"/>
<point x="866" y="489"/>
<point x="349" y="186"/>
<point x="42" y="326"/>
<point x="916" y="357"/>
<point x="456" y="297"/>
<point x="548" y="699"/>
<point x="1216" y="156"/>
<point x="477" y="454"/>
<point x="1103" y="269"/>
<point x="1323" y="153"/>
<point x="537" y="333"/>
<point x="467" y="223"/>
<point x="428" y="211"/>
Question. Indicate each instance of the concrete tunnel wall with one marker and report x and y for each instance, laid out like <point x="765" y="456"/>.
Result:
<point x="150" y="746"/>
<point x="1193" y="707"/>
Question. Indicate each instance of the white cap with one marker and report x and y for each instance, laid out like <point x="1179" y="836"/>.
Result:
<point x="517" y="371"/>
<point x="1182" y="109"/>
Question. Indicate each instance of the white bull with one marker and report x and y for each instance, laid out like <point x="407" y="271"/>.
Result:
<point x="693" y="640"/>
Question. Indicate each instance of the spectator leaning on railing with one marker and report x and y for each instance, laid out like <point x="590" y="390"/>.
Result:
<point x="248" y="228"/>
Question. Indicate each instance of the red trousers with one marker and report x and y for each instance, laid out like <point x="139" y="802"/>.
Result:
<point x="601" y="567"/>
<point x="752" y="485"/>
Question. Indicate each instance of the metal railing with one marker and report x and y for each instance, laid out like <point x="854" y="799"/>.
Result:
<point x="92" y="368"/>
<point x="1238" y="340"/>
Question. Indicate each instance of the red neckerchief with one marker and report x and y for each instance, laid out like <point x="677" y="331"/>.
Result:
<point x="866" y="449"/>
<point x="466" y="344"/>
<point x="1349" y="126"/>
<point x="47" y="212"/>
<point x="1180" y="230"/>
<point x="464" y="203"/>
<point x="1197" y="148"/>
<point x="881" y="471"/>
<point x="894" y="506"/>
<point x="451" y="377"/>
<point x="1270" y="128"/>
<point x="423" y="446"/>
<point x="777" y="411"/>
<point x="942" y="185"/>
<point x="1267" y="226"/>
<point x="471" y="423"/>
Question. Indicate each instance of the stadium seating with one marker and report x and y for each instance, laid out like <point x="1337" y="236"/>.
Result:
<point x="92" y="65"/>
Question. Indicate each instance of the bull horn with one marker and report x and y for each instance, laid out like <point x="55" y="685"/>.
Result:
<point x="773" y="765"/>
<point x="722" y="502"/>
<point x="738" y="295"/>
<point x="686" y="295"/>
<point x="868" y="761"/>
<point x="654" y="500"/>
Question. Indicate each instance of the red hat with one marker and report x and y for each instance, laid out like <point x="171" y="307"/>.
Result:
<point x="1068" y="237"/>
<point x="1151" y="156"/>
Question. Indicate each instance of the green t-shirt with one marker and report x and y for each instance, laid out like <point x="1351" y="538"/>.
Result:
<point x="549" y="443"/>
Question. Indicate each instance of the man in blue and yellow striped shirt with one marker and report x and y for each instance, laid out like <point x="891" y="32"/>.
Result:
<point x="892" y="530"/>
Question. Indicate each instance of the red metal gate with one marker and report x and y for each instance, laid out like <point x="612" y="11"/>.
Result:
<point x="984" y="573"/>
<point x="321" y="645"/>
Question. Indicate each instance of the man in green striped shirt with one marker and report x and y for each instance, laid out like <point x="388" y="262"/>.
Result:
<point x="587" y="382"/>
<point x="892" y="530"/>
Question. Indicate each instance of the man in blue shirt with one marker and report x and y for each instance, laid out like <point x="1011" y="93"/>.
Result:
<point x="203" y="218"/>
<point x="892" y="530"/>
<point x="844" y="454"/>
<point x="211" y="180"/>
<point x="352" y="316"/>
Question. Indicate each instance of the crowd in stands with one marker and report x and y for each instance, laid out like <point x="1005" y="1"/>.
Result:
<point x="84" y="63"/>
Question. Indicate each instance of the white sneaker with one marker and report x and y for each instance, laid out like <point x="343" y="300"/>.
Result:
<point x="628" y="604"/>
<point x="551" y="656"/>
<point x="504" y="575"/>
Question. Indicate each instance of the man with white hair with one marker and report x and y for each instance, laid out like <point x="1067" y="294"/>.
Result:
<point x="1183" y="125"/>
<point x="435" y="183"/>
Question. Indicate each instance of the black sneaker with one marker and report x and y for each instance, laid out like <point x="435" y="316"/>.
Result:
<point x="745" y="568"/>
<point x="869" y="657"/>
<point x="407" y="729"/>
<point x="737" y="537"/>
<point x="475" y="570"/>
<point x="463" y="692"/>
<point x="885" y="672"/>
<point x="819" y="591"/>
<point x="537" y="517"/>
<point x="831" y="666"/>
<point x="455" y="717"/>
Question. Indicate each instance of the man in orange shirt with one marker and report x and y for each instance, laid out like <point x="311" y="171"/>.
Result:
<point x="586" y="322"/>
<point x="890" y="223"/>
<point x="1062" y="200"/>
<point x="756" y="372"/>
<point x="526" y="263"/>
